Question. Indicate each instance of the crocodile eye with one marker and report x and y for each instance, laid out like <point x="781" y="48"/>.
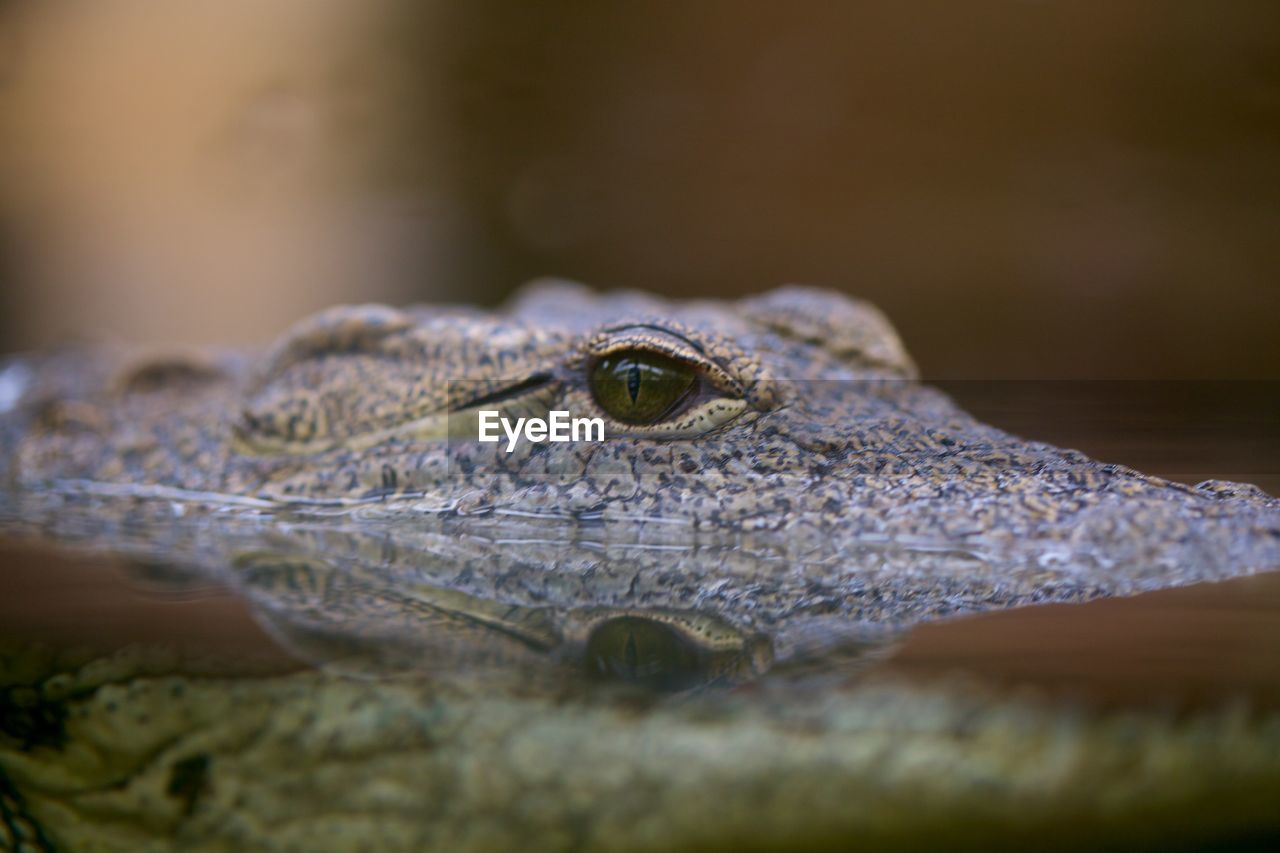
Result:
<point x="645" y="653"/>
<point x="670" y="651"/>
<point x="639" y="387"/>
<point x="650" y="382"/>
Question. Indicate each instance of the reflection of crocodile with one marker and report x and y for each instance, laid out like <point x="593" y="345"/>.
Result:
<point x="341" y="596"/>
<point x="773" y="482"/>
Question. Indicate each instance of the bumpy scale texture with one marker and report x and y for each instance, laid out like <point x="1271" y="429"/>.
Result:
<point x="809" y="500"/>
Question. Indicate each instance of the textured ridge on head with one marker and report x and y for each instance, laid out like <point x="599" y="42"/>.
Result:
<point x="853" y="331"/>
<point x="569" y="305"/>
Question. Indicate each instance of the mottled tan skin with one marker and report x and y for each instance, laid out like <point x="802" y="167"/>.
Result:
<point x="814" y="498"/>
<point x="809" y="435"/>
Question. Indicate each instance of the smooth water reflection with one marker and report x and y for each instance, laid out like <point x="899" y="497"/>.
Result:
<point x="494" y="614"/>
<point x="462" y="688"/>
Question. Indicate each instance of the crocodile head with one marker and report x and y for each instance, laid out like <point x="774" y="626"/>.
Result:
<point x="774" y="491"/>
<point x="771" y="462"/>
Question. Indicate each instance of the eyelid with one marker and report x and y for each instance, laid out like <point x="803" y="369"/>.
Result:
<point x="659" y="341"/>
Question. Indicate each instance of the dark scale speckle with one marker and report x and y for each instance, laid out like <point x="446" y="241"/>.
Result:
<point x="31" y="720"/>
<point x="814" y="441"/>
<point x="188" y="781"/>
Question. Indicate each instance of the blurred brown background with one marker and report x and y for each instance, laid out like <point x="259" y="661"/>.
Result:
<point x="1030" y="189"/>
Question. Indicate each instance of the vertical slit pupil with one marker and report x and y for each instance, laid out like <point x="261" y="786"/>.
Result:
<point x="631" y="654"/>
<point x="633" y="381"/>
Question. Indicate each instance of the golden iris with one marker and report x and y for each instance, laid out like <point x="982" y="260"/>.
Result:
<point x="637" y="387"/>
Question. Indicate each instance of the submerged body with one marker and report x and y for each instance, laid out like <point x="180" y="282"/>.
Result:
<point x="774" y="486"/>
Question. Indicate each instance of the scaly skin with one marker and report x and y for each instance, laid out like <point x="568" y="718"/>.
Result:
<point x="811" y="499"/>
<point x="811" y="435"/>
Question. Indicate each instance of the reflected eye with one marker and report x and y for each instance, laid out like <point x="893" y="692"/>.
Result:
<point x="639" y="387"/>
<point x="644" y="653"/>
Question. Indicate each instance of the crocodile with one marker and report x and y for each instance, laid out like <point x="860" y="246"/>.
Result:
<point x="776" y="493"/>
